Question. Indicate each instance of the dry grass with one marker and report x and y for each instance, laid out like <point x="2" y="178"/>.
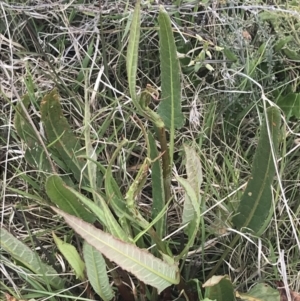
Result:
<point x="79" y="50"/>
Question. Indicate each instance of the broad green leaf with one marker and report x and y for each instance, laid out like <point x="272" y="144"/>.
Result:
<point x="65" y="199"/>
<point x="194" y="177"/>
<point x="170" y="105"/>
<point x="290" y="105"/>
<point x="139" y="262"/>
<point x="219" y="288"/>
<point x="34" y="153"/>
<point x="96" y="272"/>
<point x="61" y="137"/>
<point x="255" y="208"/>
<point x="158" y="192"/>
<point x="19" y="251"/>
<point x="71" y="255"/>
<point x="261" y="292"/>
<point x="132" y="52"/>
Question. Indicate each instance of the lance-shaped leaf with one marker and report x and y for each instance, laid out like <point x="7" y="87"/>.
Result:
<point x="65" y="199"/>
<point x="255" y="209"/>
<point x="61" y="137"/>
<point x="141" y="263"/>
<point x="72" y="256"/>
<point x="158" y="192"/>
<point x="170" y="106"/>
<point x="190" y="193"/>
<point x="96" y="272"/>
<point x="194" y="177"/>
<point x="34" y="154"/>
<point x="132" y="51"/>
<point x="19" y="251"/>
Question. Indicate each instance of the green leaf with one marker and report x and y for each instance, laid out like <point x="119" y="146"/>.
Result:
<point x="132" y="52"/>
<point x="103" y="213"/>
<point x="170" y="105"/>
<point x="194" y="177"/>
<point x="261" y="291"/>
<point x="291" y="54"/>
<point x="34" y="154"/>
<point x="283" y="42"/>
<point x="230" y="55"/>
<point x="139" y="262"/>
<point x="219" y="288"/>
<point x="65" y="199"/>
<point x="193" y="199"/>
<point x="71" y="255"/>
<point x="96" y="272"/>
<point x="30" y="259"/>
<point x="255" y="208"/>
<point x="61" y="137"/>
<point x="158" y="192"/>
<point x="114" y="195"/>
<point x="290" y="105"/>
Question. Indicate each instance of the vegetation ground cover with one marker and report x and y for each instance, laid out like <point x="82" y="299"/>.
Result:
<point x="236" y="63"/>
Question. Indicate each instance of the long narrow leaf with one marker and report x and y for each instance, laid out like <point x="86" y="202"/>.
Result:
<point x="194" y="177"/>
<point x="132" y="51"/>
<point x="256" y="204"/>
<point x="193" y="199"/>
<point x="96" y="272"/>
<point x="34" y="153"/>
<point x="170" y="106"/>
<point x="129" y="257"/>
<point x="61" y="137"/>
<point x="22" y="253"/>
<point x="158" y="192"/>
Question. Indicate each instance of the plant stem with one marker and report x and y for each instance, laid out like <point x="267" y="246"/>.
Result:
<point x="161" y="132"/>
<point x="229" y="248"/>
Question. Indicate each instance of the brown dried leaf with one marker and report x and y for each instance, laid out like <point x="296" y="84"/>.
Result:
<point x="283" y="295"/>
<point x="11" y="298"/>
